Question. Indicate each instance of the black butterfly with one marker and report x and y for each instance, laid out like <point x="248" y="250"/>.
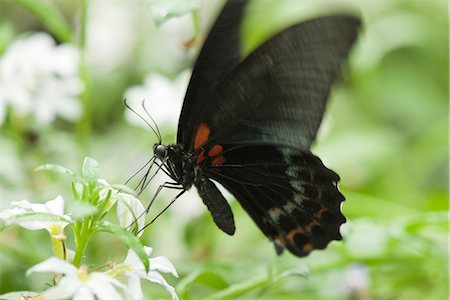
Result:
<point x="249" y="125"/>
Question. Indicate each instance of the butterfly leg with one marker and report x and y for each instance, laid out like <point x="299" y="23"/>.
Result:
<point x="166" y="208"/>
<point x="167" y="184"/>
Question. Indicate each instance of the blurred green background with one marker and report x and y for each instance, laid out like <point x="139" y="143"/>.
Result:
<point x="385" y="134"/>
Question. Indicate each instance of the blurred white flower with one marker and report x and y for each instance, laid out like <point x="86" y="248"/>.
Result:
<point x="128" y="26"/>
<point x="356" y="281"/>
<point x="134" y="270"/>
<point x="77" y="283"/>
<point x="110" y="23"/>
<point x="22" y="208"/>
<point x="163" y="99"/>
<point x="40" y="78"/>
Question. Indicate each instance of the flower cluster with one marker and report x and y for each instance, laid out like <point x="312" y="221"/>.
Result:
<point x="43" y="83"/>
<point x="93" y="199"/>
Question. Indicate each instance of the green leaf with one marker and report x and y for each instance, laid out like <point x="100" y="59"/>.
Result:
<point x="7" y="34"/>
<point x="166" y="10"/>
<point x="209" y="279"/>
<point x="19" y="295"/>
<point x="90" y="170"/>
<point x="50" y="17"/>
<point x="57" y="169"/>
<point x="77" y="190"/>
<point x="128" y="238"/>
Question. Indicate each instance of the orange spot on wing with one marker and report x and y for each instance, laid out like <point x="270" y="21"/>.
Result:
<point x="291" y="234"/>
<point x="201" y="157"/>
<point x="307" y="248"/>
<point x="202" y="135"/>
<point x="281" y="238"/>
<point x="216" y="150"/>
<point x="218" y="161"/>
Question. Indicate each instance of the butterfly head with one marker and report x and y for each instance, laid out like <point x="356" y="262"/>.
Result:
<point x="160" y="151"/>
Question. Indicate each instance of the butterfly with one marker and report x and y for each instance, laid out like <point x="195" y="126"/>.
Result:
<point x="248" y="124"/>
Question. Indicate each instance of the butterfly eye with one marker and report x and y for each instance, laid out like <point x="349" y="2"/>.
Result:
<point x="160" y="151"/>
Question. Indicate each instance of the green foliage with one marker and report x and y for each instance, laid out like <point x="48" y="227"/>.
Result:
<point x="129" y="239"/>
<point x="50" y="16"/>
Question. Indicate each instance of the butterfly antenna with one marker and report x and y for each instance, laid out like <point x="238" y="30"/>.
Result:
<point x="156" y="132"/>
<point x="154" y="122"/>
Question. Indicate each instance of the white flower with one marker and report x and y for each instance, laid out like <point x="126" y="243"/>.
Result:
<point x="40" y="79"/>
<point x="53" y="207"/>
<point x="110" y="24"/>
<point x="163" y="99"/>
<point x="356" y="279"/>
<point x="77" y="283"/>
<point x="134" y="270"/>
<point x="129" y="210"/>
<point x="49" y="216"/>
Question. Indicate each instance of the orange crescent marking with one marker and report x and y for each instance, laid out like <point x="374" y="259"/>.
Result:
<point x="202" y="135"/>
<point x="307" y="248"/>
<point x="216" y="150"/>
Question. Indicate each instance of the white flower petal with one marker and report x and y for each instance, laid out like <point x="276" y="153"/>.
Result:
<point x="134" y="288"/>
<point x="54" y="265"/>
<point x="148" y="250"/>
<point x="135" y="263"/>
<point x="156" y="277"/>
<point x="162" y="264"/>
<point x="10" y="213"/>
<point x="103" y="286"/>
<point x="55" y="206"/>
<point x="66" y="287"/>
<point x="128" y="214"/>
<point x="83" y="293"/>
<point x="138" y="270"/>
<point x="29" y="207"/>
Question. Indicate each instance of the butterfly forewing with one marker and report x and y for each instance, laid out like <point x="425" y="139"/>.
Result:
<point x="219" y="55"/>
<point x="279" y="92"/>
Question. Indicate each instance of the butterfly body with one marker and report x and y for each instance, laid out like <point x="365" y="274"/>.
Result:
<point x="249" y="124"/>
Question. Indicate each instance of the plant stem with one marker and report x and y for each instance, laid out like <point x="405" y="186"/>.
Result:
<point x="81" y="240"/>
<point x="84" y="126"/>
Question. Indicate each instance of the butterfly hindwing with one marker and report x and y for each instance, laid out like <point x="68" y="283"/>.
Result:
<point x="289" y="193"/>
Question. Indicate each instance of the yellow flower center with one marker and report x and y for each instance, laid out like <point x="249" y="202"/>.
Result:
<point x="83" y="273"/>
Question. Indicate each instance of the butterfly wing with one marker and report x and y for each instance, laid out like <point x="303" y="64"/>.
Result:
<point x="289" y="193"/>
<point x="278" y="93"/>
<point x="254" y="134"/>
<point x="219" y="55"/>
